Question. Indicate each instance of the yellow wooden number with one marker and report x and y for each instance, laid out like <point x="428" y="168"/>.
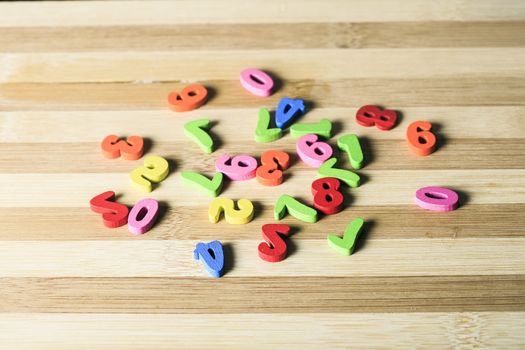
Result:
<point x="155" y="170"/>
<point x="240" y="216"/>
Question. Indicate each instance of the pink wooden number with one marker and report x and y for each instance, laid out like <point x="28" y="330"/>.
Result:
<point x="139" y="226"/>
<point x="311" y="152"/>
<point x="241" y="167"/>
<point x="436" y="198"/>
<point x="257" y="82"/>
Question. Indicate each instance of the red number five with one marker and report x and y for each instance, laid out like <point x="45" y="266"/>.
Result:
<point x="275" y="249"/>
<point x="327" y="198"/>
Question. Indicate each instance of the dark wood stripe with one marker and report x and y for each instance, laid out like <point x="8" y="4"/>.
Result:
<point x="501" y="220"/>
<point x="379" y="155"/>
<point x="269" y="36"/>
<point x="264" y="295"/>
<point x="466" y="90"/>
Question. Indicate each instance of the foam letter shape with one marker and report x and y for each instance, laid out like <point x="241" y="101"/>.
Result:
<point x="322" y="128"/>
<point x="288" y="204"/>
<point x="348" y="177"/>
<point x="311" y="152"/>
<point x="270" y="172"/>
<point x="384" y="119"/>
<point x="210" y="187"/>
<point x="131" y="149"/>
<point x="240" y="216"/>
<point x="212" y="256"/>
<point x="275" y="248"/>
<point x="350" y="144"/>
<point x="346" y="244"/>
<point x="420" y="140"/>
<point x="263" y="132"/>
<point x="437" y="198"/>
<point x="287" y="110"/>
<point x="155" y="170"/>
<point x="257" y="82"/>
<point x="194" y="131"/>
<point x="241" y="167"/>
<point x="191" y="97"/>
<point x="113" y="214"/>
<point x="148" y="210"/>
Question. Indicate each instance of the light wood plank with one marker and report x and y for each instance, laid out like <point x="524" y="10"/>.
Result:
<point x="260" y="294"/>
<point x="63" y="126"/>
<point x="376" y="257"/>
<point x="380" y="187"/>
<point x="101" y="13"/>
<point x="277" y="36"/>
<point x="385" y="222"/>
<point x="202" y="65"/>
<point x="263" y="331"/>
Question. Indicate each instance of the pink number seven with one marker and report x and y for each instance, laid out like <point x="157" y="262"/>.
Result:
<point x="437" y="198"/>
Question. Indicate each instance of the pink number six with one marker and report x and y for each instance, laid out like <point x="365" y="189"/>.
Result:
<point x="257" y="82"/>
<point x="436" y="198"/>
<point x="241" y="167"/>
<point x="311" y="152"/>
<point x="145" y="223"/>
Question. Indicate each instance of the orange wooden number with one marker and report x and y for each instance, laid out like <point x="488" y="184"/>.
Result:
<point x="270" y="172"/>
<point x="191" y="97"/>
<point x="420" y="140"/>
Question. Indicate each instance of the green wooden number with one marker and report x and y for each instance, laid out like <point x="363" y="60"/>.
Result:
<point x="322" y="128"/>
<point x="194" y="131"/>
<point x="348" y="177"/>
<point x="211" y="187"/>
<point x="298" y="210"/>
<point x="350" y="144"/>
<point x="262" y="131"/>
<point x="346" y="244"/>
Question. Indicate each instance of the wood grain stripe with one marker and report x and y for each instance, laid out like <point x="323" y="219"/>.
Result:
<point x="477" y="122"/>
<point x="278" y="36"/>
<point x="264" y="294"/>
<point x="380" y="187"/>
<point x="410" y="92"/>
<point x="205" y="65"/>
<point x="102" y="13"/>
<point x="501" y="330"/>
<point x="380" y="155"/>
<point x="181" y="223"/>
<point x="174" y="258"/>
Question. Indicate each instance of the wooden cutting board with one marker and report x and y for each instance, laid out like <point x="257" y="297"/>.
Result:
<point x="73" y="72"/>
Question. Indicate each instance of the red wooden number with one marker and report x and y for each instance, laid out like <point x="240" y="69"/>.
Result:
<point x="420" y="140"/>
<point x="327" y="198"/>
<point x="275" y="248"/>
<point x="369" y="115"/>
<point x="191" y="97"/>
<point x="113" y="214"/>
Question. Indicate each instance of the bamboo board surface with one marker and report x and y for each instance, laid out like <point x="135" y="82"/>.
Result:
<point x="73" y="72"/>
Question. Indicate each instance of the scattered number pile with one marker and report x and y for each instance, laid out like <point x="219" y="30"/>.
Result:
<point x="311" y="149"/>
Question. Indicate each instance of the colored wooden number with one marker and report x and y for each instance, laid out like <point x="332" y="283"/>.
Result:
<point x="240" y="216"/>
<point x="212" y="256"/>
<point x="275" y="248"/>
<point x="257" y="82"/>
<point x="130" y="149"/>
<point x="241" y="167"/>
<point x="311" y="152"/>
<point x="436" y="198"/>
<point x="348" y="177"/>
<point x="369" y="115"/>
<point x="142" y="216"/>
<point x="155" y="170"/>
<point x="350" y="144"/>
<point x="287" y="204"/>
<point x="113" y="214"/>
<point x="327" y="198"/>
<point x="322" y="128"/>
<point x="287" y="110"/>
<point x="210" y="187"/>
<point x="270" y="172"/>
<point x="263" y="132"/>
<point x="420" y="140"/>
<point x="346" y="244"/>
<point x="191" y="97"/>
<point x="194" y="131"/>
